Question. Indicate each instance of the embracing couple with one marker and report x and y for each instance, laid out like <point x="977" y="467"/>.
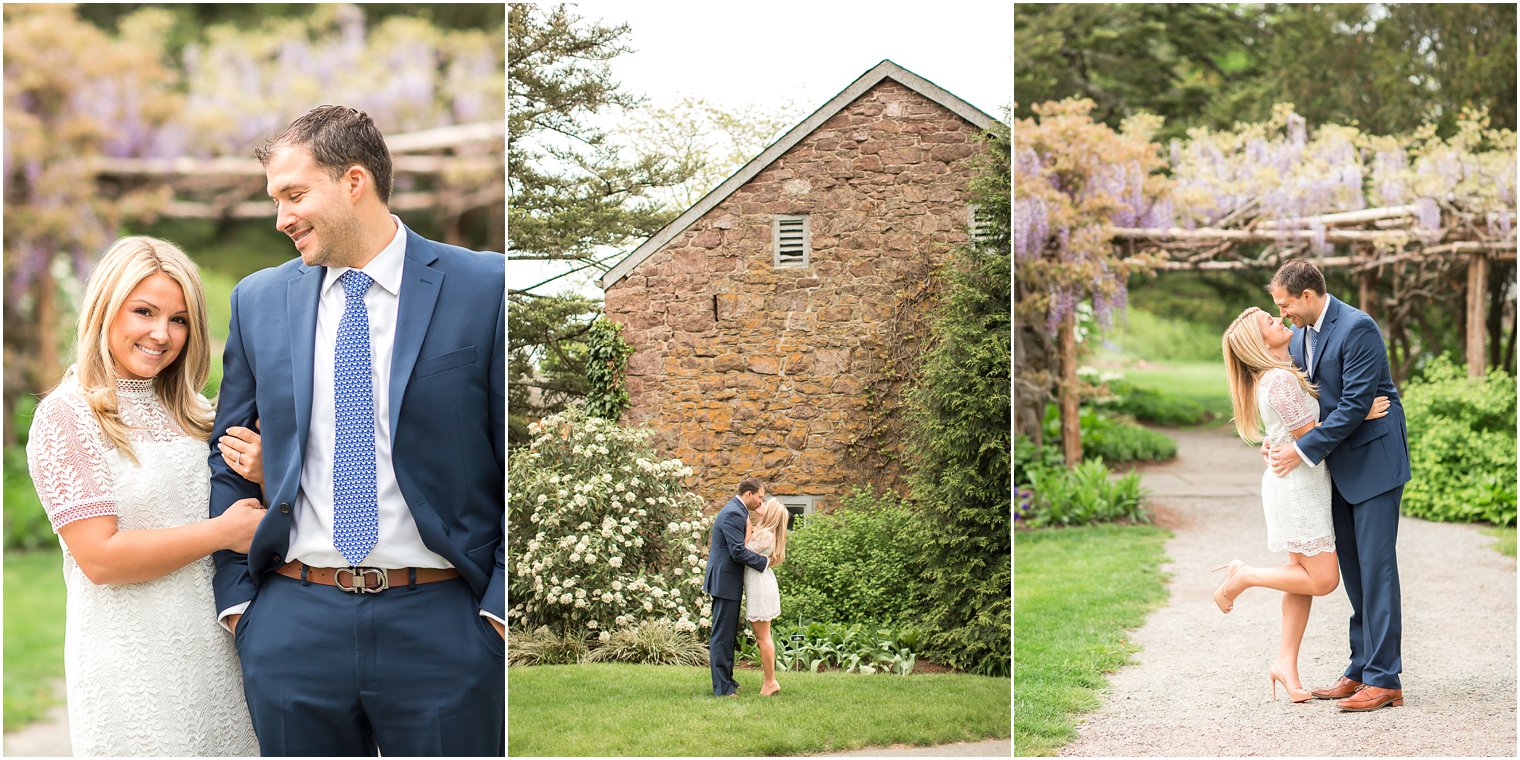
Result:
<point x="1338" y="458"/>
<point x="748" y="539"/>
<point x="354" y="483"/>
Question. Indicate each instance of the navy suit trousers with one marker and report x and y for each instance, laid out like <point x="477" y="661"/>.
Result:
<point x="1365" y="538"/>
<point x="408" y="671"/>
<point x="720" y="648"/>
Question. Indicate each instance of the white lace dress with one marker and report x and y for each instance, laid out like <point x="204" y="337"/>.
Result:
<point x="148" y="669"/>
<point x="1297" y="506"/>
<point x="762" y="597"/>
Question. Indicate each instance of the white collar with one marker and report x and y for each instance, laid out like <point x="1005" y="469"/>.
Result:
<point x="384" y="269"/>
<point x="1319" y="323"/>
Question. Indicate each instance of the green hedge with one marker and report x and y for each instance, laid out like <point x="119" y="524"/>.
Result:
<point x="1111" y="439"/>
<point x="1461" y="445"/>
<point x="1151" y="406"/>
<point x="856" y="565"/>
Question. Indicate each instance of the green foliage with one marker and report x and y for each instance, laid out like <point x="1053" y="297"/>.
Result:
<point x="542" y="646"/>
<point x="1113" y="440"/>
<point x="1049" y="493"/>
<point x="1079" y="592"/>
<point x="853" y="648"/>
<point x="606" y="367"/>
<point x="652" y="642"/>
<point x="26" y="522"/>
<point x="546" y="357"/>
<point x="960" y="446"/>
<point x="1148" y="405"/>
<point x="1142" y="334"/>
<point x="1080" y="495"/>
<point x="1461" y="445"/>
<point x="856" y="565"/>
<point x="1212" y="65"/>
<point x="571" y="189"/>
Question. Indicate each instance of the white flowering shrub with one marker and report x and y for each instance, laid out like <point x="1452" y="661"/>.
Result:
<point x="602" y="534"/>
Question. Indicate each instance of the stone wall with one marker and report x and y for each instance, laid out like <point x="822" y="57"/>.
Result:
<point x="792" y="375"/>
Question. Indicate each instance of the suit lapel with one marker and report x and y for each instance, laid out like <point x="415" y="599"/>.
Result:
<point x="301" y="296"/>
<point x="1332" y="311"/>
<point x="420" y="285"/>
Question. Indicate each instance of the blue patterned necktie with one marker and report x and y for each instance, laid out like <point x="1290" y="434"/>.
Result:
<point x="356" y="513"/>
<point x="1313" y="347"/>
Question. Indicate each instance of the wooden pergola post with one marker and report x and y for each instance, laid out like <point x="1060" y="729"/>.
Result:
<point x="1364" y="282"/>
<point x="1477" y="319"/>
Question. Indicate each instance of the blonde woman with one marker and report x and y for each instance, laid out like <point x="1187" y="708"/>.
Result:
<point x="118" y="453"/>
<point x="762" y="598"/>
<point x="1274" y="400"/>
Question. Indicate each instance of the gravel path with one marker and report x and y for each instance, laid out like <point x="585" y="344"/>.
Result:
<point x="1200" y="687"/>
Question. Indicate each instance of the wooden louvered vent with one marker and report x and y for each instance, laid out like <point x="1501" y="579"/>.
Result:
<point x="792" y="245"/>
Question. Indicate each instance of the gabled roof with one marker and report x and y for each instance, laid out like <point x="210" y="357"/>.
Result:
<point x="881" y="71"/>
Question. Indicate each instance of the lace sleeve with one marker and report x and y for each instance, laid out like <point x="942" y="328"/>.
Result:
<point x="762" y="542"/>
<point x="67" y="462"/>
<point x="1290" y="401"/>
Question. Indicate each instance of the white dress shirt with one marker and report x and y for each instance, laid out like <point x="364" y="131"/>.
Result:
<point x="1309" y="359"/>
<point x="399" y="545"/>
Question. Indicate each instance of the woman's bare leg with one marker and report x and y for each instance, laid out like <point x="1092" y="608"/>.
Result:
<point x="1295" y="612"/>
<point x="1309" y="576"/>
<point x="762" y="630"/>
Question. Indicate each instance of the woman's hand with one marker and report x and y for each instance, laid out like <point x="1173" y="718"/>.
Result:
<point x="1379" y="408"/>
<point x="243" y="450"/>
<point x="239" y="522"/>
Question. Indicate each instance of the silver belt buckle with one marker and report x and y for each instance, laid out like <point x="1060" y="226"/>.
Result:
<point x="360" y="576"/>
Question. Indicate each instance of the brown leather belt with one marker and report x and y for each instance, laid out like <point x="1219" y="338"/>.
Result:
<point x="365" y="580"/>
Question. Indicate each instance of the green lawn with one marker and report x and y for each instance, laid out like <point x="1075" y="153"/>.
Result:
<point x="631" y="710"/>
<point x="1076" y="592"/>
<point x="1201" y="381"/>
<point x="1506" y="535"/>
<point x="34" y="599"/>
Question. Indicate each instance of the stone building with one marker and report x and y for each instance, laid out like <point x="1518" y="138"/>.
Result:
<point x="774" y="321"/>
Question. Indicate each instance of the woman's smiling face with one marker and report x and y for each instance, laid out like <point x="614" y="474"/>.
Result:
<point x="1273" y="331"/>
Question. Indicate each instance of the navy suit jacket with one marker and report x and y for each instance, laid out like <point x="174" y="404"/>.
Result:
<point x="447" y="405"/>
<point x="1366" y="457"/>
<point x="727" y="555"/>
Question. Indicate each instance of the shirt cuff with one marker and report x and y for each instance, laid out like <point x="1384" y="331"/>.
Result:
<point x="485" y="614"/>
<point x="1303" y="456"/>
<point x="236" y="609"/>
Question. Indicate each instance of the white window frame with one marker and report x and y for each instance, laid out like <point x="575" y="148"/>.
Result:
<point x="807" y="241"/>
<point x="809" y="505"/>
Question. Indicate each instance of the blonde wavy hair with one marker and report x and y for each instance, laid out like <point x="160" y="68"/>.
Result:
<point x="124" y="265"/>
<point x="773" y="517"/>
<point x="1246" y="358"/>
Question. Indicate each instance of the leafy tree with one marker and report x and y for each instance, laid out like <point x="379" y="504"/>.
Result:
<point x="960" y="447"/>
<point x="1076" y="179"/>
<point x="711" y="140"/>
<point x="546" y="356"/>
<point x="1386" y="67"/>
<point x="571" y="189"/>
<point x="63" y="105"/>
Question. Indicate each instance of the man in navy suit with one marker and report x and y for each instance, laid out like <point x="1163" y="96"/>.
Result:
<point x="1342" y="351"/>
<point x="368" y="613"/>
<point x="727" y="556"/>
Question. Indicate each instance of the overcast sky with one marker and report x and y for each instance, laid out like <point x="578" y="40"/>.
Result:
<point x="739" y="53"/>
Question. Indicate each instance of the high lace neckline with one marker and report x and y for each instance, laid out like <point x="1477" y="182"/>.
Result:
<point x="130" y="387"/>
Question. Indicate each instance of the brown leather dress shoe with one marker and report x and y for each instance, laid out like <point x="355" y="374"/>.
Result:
<point x="1371" y="698"/>
<point x="1342" y="689"/>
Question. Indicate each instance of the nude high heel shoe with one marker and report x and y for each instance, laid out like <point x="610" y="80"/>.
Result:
<point x="1226" y="603"/>
<point x="1294" y="695"/>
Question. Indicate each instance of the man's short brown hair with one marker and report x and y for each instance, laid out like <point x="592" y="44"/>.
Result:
<point x="750" y="485"/>
<point x="337" y="137"/>
<point x="1298" y="275"/>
